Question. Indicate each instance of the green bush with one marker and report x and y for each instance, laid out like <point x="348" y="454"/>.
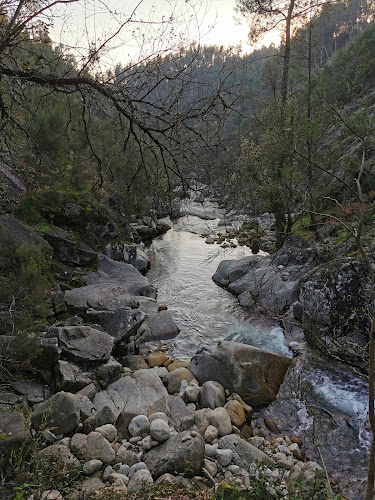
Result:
<point x="24" y="302"/>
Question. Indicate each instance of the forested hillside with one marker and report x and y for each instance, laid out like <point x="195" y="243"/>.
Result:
<point x="134" y="134"/>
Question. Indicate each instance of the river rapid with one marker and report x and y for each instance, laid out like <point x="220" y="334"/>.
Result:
<point x="322" y="401"/>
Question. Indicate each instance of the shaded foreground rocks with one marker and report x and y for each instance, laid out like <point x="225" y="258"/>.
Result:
<point x="14" y="431"/>
<point x="254" y="374"/>
<point x="126" y="436"/>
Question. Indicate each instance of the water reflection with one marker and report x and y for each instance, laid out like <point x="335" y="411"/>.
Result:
<point x="182" y="265"/>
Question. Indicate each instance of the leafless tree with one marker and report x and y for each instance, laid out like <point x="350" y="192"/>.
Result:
<point x="156" y="101"/>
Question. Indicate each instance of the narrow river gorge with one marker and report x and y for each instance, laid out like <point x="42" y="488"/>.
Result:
<point x="322" y="401"/>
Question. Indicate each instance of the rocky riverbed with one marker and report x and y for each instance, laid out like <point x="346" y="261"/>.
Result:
<point x="163" y="422"/>
<point x="111" y="419"/>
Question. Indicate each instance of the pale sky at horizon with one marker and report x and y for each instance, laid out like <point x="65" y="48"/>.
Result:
<point x="210" y="22"/>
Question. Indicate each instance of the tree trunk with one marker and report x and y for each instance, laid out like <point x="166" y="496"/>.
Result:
<point x="286" y="64"/>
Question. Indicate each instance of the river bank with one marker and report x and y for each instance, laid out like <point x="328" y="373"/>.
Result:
<point x="322" y="399"/>
<point x="114" y="312"/>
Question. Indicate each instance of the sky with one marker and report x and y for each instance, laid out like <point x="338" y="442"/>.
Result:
<point x="147" y="27"/>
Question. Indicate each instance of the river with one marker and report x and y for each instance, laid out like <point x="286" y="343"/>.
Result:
<point x="322" y="401"/>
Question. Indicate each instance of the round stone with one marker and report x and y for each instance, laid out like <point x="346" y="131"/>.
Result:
<point x="224" y="457"/>
<point x="140" y="480"/>
<point x="139" y="426"/>
<point x="91" y="467"/>
<point x="159" y="430"/>
<point x="136" y="467"/>
<point x="210" y="434"/>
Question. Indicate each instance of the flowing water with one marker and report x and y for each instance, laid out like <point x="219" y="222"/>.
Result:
<point x="322" y="401"/>
<point x="182" y="265"/>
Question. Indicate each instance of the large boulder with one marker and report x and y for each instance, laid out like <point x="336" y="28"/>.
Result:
<point x="158" y="326"/>
<point x="21" y="233"/>
<point x="60" y="413"/>
<point x="114" y="286"/>
<point x="212" y="395"/>
<point x="135" y="393"/>
<point x="83" y="343"/>
<point x="254" y="374"/>
<point x="100" y="297"/>
<point x="66" y="249"/>
<point x="271" y="282"/>
<point x="181" y="453"/>
<point x="123" y="275"/>
<point x="34" y="391"/>
<point x="336" y="301"/>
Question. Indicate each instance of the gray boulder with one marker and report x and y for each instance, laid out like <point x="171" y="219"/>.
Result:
<point x="244" y="453"/>
<point x="130" y="254"/>
<point x="120" y="324"/>
<point x="122" y="274"/>
<point x="202" y="419"/>
<point x="158" y="326"/>
<point x="108" y="431"/>
<point x="254" y="374"/>
<point x="100" y="297"/>
<point x="83" y="343"/>
<point x="212" y="395"/>
<point x="35" y="391"/>
<point x="49" y="353"/>
<point x="159" y="430"/>
<point x="20" y="232"/>
<point x="113" y="288"/>
<point x="179" y="415"/>
<point x="60" y="413"/>
<point x="91" y="467"/>
<point x="181" y="453"/>
<point x="108" y="372"/>
<point x="135" y="393"/>
<point x="93" y="446"/>
<point x="271" y="282"/>
<point x="103" y="416"/>
<point x="139" y="426"/>
<point x="89" y="391"/>
<point x="231" y="270"/>
<point x="140" y="480"/>
<point x="86" y="408"/>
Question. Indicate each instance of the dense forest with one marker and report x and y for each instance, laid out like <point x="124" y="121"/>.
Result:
<point x="131" y="136"/>
<point x="287" y="129"/>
